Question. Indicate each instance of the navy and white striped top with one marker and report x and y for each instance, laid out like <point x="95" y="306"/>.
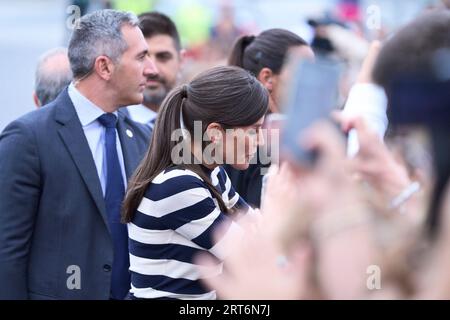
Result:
<point x="173" y="223"/>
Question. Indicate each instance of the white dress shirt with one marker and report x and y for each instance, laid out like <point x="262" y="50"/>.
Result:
<point x="88" y="113"/>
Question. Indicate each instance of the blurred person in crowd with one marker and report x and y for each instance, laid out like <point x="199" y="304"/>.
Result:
<point x="173" y="205"/>
<point x="321" y="42"/>
<point x="414" y="70"/>
<point x="336" y="39"/>
<point x="371" y="97"/>
<point x="264" y="56"/>
<point x="53" y="74"/>
<point x="64" y="169"/>
<point x="367" y="98"/>
<point x="223" y="34"/>
<point x="165" y="51"/>
<point x="397" y="65"/>
<point x="194" y="20"/>
<point x="414" y="181"/>
<point x="335" y="241"/>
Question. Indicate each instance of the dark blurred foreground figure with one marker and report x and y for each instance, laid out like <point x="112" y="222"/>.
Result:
<point x="375" y="228"/>
<point x="413" y="68"/>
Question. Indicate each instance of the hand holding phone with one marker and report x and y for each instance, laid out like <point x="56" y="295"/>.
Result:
<point x="312" y="96"/>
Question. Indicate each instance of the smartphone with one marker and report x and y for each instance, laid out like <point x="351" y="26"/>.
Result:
<point x="313" y="94"/>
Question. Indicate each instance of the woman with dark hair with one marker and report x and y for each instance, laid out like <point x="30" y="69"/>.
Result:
<point x="264" y="56"/>
<point x="179" y="193"/>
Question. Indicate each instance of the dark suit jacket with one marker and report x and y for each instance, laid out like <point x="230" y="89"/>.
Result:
<point x="248" y="183"/>
<point x="52" y="211"/>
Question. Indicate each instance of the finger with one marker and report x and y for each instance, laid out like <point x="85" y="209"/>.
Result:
<point x="367" y="137"/>
<point x="365" y="75"/>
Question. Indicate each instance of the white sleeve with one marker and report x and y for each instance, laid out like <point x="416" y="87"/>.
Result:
<point x="369" y="101"/>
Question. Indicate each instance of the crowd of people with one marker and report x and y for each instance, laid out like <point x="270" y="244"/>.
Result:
<point x="132" y="181"/>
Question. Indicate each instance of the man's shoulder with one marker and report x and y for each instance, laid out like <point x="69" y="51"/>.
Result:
<point x="34" y="120"/>
<point x="42" y="117"/>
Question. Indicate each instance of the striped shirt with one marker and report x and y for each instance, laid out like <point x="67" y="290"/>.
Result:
<point x="174" y="222"/>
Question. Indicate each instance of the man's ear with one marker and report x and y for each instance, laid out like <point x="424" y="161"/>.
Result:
<point x="36" y="100"/>
<point x="265" y="76"/>
<point x="182" y="55"/>
<point x="104" y="67"/>
<point x="214" y="132"/>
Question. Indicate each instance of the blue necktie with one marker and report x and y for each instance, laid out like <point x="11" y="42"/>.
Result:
<point x="115" y="191"/>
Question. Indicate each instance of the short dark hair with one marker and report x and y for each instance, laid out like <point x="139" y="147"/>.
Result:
<point x="411" y="51"/>
<point x="267" y="50"/>
<point x="156" y="23"/>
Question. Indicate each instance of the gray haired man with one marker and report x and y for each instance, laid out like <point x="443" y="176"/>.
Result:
<point x="64" y="169"/>
<point x="53" y="74"/>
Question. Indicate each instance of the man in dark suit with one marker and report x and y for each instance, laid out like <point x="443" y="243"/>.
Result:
<point x="64" y="169"/>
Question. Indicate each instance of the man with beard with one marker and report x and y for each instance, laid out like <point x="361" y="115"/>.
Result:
<point x="165" y="51"/>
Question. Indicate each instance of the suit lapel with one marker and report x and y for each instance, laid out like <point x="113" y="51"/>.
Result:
<point x="75" y="141"/>
<point x="130" y="150"/>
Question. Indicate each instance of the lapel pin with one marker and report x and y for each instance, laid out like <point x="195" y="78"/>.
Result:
<point x="129" y="133"/>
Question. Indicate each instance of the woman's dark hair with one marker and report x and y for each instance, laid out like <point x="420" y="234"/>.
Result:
<point x="229" y="96"/>
<point x="267" y="50"/>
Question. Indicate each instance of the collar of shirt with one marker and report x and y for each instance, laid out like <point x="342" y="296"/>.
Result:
<point x="86" y="110"/>
<point x="141" y="113"/>
<point x="94" y="132"/>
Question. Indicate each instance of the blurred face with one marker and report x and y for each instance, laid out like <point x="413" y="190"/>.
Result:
<point x="130" y="73"/>
<point x="241" y="146"/>
<point x="166" y="58"/>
